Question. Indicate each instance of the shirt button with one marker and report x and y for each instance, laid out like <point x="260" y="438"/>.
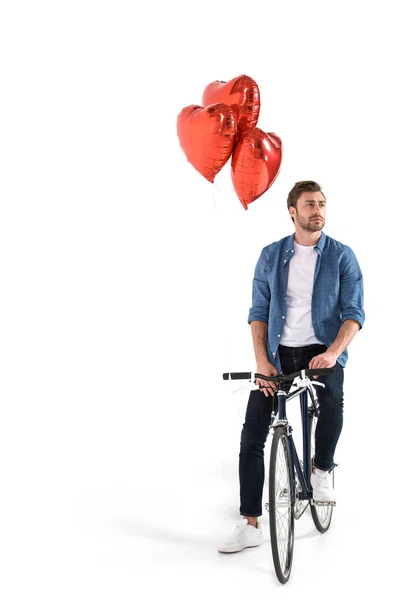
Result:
<point x="273" y="354"/>
<point x="284" y="261"/>
<point x="292" y="250"/>
<point x="279" y="335"/>
<point x="283" y="317"/>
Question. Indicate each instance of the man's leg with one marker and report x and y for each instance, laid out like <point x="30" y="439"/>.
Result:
<point x="330" y="421"/>
<point x="251" y="457"/>
<point x="248" y="532"/>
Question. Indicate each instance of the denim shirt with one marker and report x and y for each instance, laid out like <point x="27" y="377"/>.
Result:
<point x="337" y="295"/>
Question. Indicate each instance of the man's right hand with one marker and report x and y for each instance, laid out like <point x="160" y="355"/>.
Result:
<point x="266" y="368"/>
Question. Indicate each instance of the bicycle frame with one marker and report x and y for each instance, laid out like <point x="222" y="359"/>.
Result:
<point x="303" y="473"/>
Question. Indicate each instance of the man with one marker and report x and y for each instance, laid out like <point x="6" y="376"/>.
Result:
<point x="307" y="306"/>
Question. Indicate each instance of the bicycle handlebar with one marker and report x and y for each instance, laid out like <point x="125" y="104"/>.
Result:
<point x="244" y="375"/>
<point x="278" y="378"/>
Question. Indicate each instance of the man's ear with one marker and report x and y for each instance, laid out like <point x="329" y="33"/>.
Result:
<point x="292" y="211"/>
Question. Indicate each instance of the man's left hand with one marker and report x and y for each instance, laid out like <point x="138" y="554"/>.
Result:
<point x="326" y="360"/>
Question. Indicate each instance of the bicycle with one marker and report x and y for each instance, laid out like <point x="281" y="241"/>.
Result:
<point x="290" y="490"/>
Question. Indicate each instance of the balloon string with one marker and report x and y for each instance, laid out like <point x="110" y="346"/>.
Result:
<point x="215" y="188"/>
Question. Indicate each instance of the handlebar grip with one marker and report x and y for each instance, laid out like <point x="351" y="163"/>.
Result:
<point x="311" y="372"/>
<point x="236" y="375"/>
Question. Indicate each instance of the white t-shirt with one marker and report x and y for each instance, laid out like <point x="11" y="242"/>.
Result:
<point x="298" y="329"/>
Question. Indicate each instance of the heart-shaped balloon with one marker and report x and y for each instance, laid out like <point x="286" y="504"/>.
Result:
<point x="256" y="160"/>
<point x="207" y="136"/>
<point x="242" y="95"/>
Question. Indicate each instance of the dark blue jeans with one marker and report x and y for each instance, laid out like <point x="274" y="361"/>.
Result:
<point x="258" y="419"/>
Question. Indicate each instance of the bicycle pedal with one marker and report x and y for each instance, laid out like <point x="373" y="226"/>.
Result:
<point x="319" y="503"/>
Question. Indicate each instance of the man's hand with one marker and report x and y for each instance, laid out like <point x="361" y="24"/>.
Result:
<point x="266" y="368"/>
<point x="326" y="360"/>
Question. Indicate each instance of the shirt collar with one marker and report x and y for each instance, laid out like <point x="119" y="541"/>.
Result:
<point x="321" y="242"/>
<point x="319" y="246"/>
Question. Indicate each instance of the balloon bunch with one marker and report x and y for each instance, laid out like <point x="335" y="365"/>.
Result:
<point x="225" y="126"/>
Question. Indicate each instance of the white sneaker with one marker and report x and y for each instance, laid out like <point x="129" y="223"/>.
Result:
<point x="243" y="536"/>
<point x="321" y="482"/>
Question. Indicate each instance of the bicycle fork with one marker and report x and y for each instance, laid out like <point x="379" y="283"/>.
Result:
<point x="302" y="471"/>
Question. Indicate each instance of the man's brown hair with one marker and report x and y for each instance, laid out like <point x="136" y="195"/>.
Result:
<point x="299" y="188"/>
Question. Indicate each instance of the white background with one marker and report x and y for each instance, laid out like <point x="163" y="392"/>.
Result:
<point x="126" y="282"/>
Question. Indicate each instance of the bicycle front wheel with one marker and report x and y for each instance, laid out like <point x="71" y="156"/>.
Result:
<point x="321" y="513"/>
<point x="281" y="515"/>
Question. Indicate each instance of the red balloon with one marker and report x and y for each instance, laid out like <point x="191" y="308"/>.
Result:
<point x="256" y="160"/>
<point x="207" y="136"/>
<point x="242" y="95"/>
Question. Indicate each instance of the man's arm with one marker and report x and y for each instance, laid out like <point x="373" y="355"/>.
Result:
<point x="351" y="304"/>
<point x="259" y="332"/>
<point x="328" y="358"/>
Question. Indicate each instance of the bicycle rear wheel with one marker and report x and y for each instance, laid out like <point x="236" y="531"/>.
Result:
<point x="281" y="516"/>
<point x="321" y="513"/>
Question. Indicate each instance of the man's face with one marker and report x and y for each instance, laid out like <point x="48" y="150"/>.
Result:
<point x="310" y="212"/>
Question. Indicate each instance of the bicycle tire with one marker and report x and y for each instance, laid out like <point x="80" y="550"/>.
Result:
<point x="281" y="514"/>
<point x="321" y="514"/>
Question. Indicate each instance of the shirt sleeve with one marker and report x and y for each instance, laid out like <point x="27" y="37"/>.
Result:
<point x="351" y="289"/>
<point x="261" y="295"/>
